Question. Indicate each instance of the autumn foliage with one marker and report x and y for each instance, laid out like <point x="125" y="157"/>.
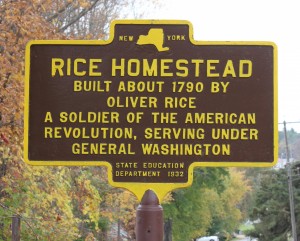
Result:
<point x="55" y="203"/>
<point x="69" y="203"/>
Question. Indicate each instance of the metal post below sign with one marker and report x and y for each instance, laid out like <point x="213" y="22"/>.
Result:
<point x="149" y="219"/>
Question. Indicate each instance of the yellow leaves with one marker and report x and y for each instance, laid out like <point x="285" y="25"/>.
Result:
<point x="89" y="237"/>
<point x="89" y="199"/>
<point x="41" y="193"/>
<point x="84" y="3"/>
<point x="236" y="187"/>
<point x="210" y="206"/>
<point x="51" y="198"/>
<point x="168" y="198"/>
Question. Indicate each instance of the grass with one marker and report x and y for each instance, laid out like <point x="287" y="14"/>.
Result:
<point x="245" y="227"/>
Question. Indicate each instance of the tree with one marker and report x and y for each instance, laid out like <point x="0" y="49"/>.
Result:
<point x="89" y="19"/>
<point x="293" y="139"/>
<point x="191" y="207"/>
<point x="231" y="199"/>
<point x="25" y="190"/>
<point x="209" y="206"/>
<point x="272" y="207"/>
<point x="55" y="203"/>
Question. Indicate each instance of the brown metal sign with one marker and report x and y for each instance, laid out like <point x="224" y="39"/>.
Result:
<point x="151" y="103"/>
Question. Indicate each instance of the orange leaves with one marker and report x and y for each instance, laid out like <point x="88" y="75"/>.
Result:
<point x="19" y="24"/>
<point x="55" y="198"/>
<point x="58" y="217"/>
<point x="88" y="198"/>
<point x="4" y="138"/>
<point x="84" y="3"/>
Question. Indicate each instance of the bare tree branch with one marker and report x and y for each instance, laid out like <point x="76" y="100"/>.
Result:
<point x="63" y="9"/>
<point x="79" y="16"/>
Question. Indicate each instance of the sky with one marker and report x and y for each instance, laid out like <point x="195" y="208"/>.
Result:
<point x="251" y="20"/>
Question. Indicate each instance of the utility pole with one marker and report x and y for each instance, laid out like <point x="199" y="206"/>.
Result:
<point x="290" y="182"/>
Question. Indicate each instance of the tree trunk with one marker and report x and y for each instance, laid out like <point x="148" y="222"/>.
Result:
<point x="168" y="230"/>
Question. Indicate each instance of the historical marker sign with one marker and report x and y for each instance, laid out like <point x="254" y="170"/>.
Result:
<point x="151" y="103"/>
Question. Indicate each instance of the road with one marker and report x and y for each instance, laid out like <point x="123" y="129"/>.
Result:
<point x="243" y="238"/>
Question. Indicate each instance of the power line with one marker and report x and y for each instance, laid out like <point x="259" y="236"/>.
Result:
<point x="289" y="122"/>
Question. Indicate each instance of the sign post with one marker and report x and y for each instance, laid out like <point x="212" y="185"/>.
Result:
<point x="149" y="219"/>
<point x="150" y="104"/>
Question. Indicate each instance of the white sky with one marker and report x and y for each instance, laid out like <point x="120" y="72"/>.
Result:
<point x="251" y="20"/>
